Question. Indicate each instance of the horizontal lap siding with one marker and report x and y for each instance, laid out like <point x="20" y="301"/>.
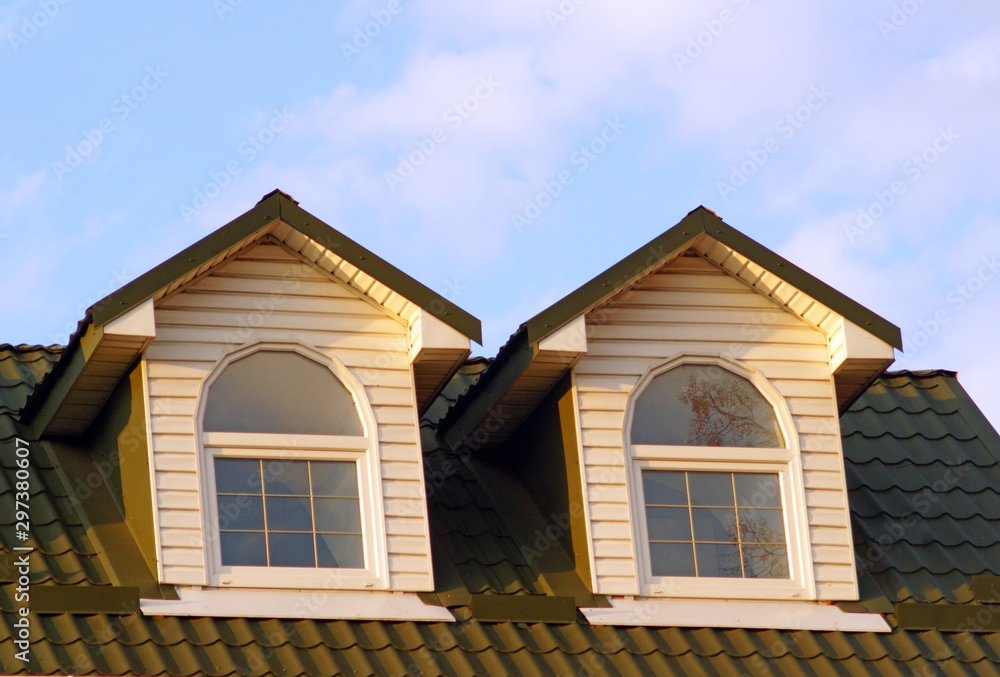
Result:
<point x="268" y="294"/>
<point x="693" y="307"/>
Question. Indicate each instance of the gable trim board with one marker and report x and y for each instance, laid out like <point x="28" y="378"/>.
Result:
<point x="66" y="403"/>
<point x="861" y="342"/>
<point x="698" y="222"/>
<point x="279" y="206"/>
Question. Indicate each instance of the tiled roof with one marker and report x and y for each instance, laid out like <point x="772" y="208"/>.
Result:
<point x="931" y="430"/>
<point x="923" y="469"/>
<point x="22" y="368"/>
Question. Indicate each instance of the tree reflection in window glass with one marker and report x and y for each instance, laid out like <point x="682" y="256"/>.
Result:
<point x="704" y="405"/>
<point x="715" y="524"/>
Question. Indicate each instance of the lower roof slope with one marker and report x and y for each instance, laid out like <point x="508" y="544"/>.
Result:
<point x="902" y="436"/>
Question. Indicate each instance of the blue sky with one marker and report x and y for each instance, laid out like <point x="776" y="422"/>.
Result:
<point x="858" y="140"/>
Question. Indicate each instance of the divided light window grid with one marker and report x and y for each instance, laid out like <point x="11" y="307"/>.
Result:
<point x="715" y="524"/>
<point x="283" y="513"/>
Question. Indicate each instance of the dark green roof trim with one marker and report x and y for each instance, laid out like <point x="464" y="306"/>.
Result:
<point x="701" y="221"/>
<point x="273" y="206"/>
<point x="523" y="609"/>
<point x="948" y="617"/>
<point x="516" y="355"/>
<point x="986" y="589"/>
<point x="463" y="419"/>
<point x="78" y="599"/>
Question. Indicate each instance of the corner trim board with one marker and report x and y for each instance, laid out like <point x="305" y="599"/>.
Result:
<point x="727" y="614"/>
<point x="297" y="604"/>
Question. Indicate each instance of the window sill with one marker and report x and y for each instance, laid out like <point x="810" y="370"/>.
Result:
<point x="297" y="604"/>
<point x="734" y="614"/>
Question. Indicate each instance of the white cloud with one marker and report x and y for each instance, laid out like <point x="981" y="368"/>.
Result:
<point x="24" y="189"/>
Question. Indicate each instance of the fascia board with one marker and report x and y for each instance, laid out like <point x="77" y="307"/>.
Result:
<point x="373" y="265"/>
<point x="278" y="206"/>
<point x="615" y="278"/>
<point x="803" y="281"/>
<point x="701" y="221"/>
<point x="147" y="285"/>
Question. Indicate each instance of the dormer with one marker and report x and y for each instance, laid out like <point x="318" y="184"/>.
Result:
<point x="283" y="369"/>
<point x="697" y="386"/>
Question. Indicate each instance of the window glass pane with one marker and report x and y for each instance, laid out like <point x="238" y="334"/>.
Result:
<point x="711" y="488"/>
<point x="288" y="513"/>
<point x="286" y="477"/>
<point x="241" y="513"/>
<point x="237" y="476"/>
<point x="757" y="490"/>
<point x="288" y="516"/>
<point x="765" y="525"/>
<point x="705" y="531"/>
<point x="332" y="478"/>
<point x="765" y="561"/>
<point x="704" y="405"/>
<point x="672" y="559"/>
<point x="714" y="524"/>
<point x="337" y="550"/>
<point x="718" y="561"/>
<point x="664" y="487"/>
<point x="242" y="548"/>
<point x="339" y="515"/>
<point x="291" y="550"/>
<point x="280" y="391"/>
<point x="668" y="524"/>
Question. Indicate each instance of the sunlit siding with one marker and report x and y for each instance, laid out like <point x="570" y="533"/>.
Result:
<point x="270" y="294"/>
<point x="691" y="306"/>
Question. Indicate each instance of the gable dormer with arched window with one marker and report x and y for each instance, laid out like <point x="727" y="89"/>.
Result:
<point x="698" y="394"/>
<point x="285" y="369"/>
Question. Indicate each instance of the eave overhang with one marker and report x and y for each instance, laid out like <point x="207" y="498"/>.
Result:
<point x="861" y="342"/>
<point x="116" y="329"/>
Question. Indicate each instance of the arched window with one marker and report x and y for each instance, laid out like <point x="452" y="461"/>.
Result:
<point x="279" y="391"/>
<point x="704" y="405"/>
<point x="716" y="477"/>
<point x="290" y="468"/>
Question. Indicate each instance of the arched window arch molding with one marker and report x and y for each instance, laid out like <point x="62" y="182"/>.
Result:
<point x="784" y="460"/>
<point x="363" y="450"/>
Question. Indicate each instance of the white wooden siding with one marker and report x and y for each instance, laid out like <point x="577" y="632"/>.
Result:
<point x="269" y="294"/>
<point x="691" y="306"/>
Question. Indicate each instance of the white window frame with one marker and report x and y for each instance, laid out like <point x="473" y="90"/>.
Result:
<point x="363" y="450"/>
<point x="784" y="461"/>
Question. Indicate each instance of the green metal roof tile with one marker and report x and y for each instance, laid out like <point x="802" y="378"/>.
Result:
<point x="468" y="375"/>
<point x="502" y="579"/>
<point x="22" y="368"/>
<point x="929" y="562"/>
<point x="917" y="450"/>
<point x="923" y="586"/>
<point x="944" y="530"/>
<point x="955" y="502"/>
<point x="939" y="559"/>
<point x="938" y="477"/>
<point x="905" y="425"/>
